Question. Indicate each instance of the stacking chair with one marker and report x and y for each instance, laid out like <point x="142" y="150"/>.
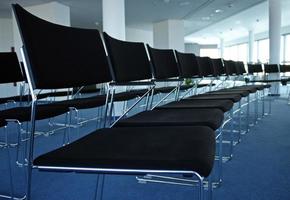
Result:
<point x="156" y="117"/>
<point x="186" y="150"/>
<point x="11" y="73"/>
<point x="285" y="69"/>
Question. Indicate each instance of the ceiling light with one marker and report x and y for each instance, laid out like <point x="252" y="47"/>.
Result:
<point x="184" y="3"/>
<point x="205" y="18"/>
<point x="166" y="1"/>
<point x="219" y="11"/>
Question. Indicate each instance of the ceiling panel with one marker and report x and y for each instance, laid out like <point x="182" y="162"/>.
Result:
<point x="197" y="14"/>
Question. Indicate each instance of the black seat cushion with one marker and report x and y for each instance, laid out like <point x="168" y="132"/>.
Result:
<point x="158" y="148"/>
<point x="2" y="122"/>
<point x="23" y="114"/>
<point x="224" y="105"/>
<point x="249" y="89"/>
<point x="175" y="117"/>
<point x="99" y="100"/>
<point x="233" y="97"/>
<point x="243" y="93"/>
<point x="83" y="103"/>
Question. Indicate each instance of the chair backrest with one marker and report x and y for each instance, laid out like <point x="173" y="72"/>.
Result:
<point x="163" y="63"/>
<point x="284" y="68"/>
<point x="129" y="60"/>
<point x="59" y="56"/>
<point x="10" y="68"/>
<point x="205" y="66"/>
<point x="240" y="68"/>
<point x="255" y="68"/>
<point x="230" y="67"/>
<point x="187" y="64"/>
<point x="218" y="66"/>
<point x="271" y="68"/>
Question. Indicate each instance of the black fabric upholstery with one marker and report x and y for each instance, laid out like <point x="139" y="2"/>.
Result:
<point x="163" y="62"/>
<point x="188" y="65"/>
<point x="218" y="66"/>
<point x="233" y="97"/>
<point x="2" y="122"/>
<point x="99" y="100"/>
<point x="23" y="114"/>
<point x="243" y="93"/>
<point x="224" y="105"/>
<point x="271" y="68"/>
<point x="129" y="60"/>
<point x="46" y="47"/>
<point x="284" y="68"/>
<point x="238" y="89"/>
<point x="10" y="68"/>
<point x="83" y="103"/>
<point x="230" y="67"/>
<point x="205" y="66"/>
<point x="158" y="148"/>
<point x="240" y="68"/>
<point x="175" y="117"/>
<point x="254" y="68"/>
<point x="253" y="87"/>
<point x="27" y="98"/>
<point x="183" y="87"/>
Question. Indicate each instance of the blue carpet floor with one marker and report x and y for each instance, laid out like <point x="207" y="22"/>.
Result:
<point x="260" y="170"/>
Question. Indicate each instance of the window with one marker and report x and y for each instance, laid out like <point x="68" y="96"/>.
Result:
<point x="212" y="53"/>
<point x="237" y="52"/>
<point x="242" y="52"/>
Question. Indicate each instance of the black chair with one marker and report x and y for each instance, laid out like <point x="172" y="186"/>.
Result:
<point x="284" y="68"/>
<point x="271" y="68"/>
<point x="11" y="73"/>
<point x="185" y="150"/>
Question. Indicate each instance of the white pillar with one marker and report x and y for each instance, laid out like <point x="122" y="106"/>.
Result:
<point x="251" y="46"/>
<point x="222" y="47"/>
<point x="169" y="34"/>
<point x="275" y="30"/>
<point x="114" y="18"/>
<point x="275" y="39"/>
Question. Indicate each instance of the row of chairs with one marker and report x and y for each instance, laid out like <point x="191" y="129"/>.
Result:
<point x="174" y="138"/>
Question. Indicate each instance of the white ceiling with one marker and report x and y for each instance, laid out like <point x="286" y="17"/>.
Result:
<point x="197" y="14"/>
<point x="238" y="26"/>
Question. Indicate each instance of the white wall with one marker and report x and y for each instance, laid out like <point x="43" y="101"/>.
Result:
<point x="138" y="35"/>
<point x="195" y="48"/>
<point x="6" y="34"/>
<point x="192" y="48"/>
